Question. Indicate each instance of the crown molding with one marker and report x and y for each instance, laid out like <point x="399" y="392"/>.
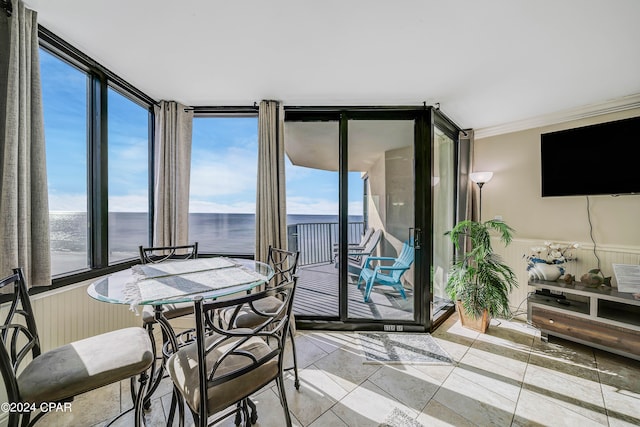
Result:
<point x="621" y="104"/>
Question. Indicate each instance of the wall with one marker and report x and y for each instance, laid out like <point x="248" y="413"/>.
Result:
<point x="514" y="194"/>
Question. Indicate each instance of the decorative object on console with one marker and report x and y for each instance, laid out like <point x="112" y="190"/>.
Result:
<point x="546" y="262"/>
<point x="594" y="278"/>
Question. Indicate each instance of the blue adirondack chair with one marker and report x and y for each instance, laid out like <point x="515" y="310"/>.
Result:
<point x="388" y="275"/>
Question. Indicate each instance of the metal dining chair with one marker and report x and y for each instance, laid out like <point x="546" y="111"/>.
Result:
<point x="216" y="374"/>
<point x="58" y="375"/>
<point x="285" y="264"/>
<point x="155" y="255"/>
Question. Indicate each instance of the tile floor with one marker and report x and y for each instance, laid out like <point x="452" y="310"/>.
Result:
<point x="507" y="377"/>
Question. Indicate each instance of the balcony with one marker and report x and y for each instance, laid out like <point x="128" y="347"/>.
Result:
<point x="318" y="284"/>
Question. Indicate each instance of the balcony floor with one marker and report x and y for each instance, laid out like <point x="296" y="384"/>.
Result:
<point x="317" y="295"/>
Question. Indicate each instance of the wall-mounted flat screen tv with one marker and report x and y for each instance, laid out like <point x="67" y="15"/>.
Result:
<point x="591" y="160"/>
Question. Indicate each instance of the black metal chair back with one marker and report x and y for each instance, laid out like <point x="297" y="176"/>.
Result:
<point x="284" y="263"/>
<point x="236" y="348"/>
<point x="153" y="255"/>
<point x="19" y="336"/>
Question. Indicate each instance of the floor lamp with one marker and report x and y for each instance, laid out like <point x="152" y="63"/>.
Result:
<point x="481" y="178"/>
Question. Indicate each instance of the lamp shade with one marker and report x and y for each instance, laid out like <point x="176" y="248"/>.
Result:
<point x="481" y="177"/>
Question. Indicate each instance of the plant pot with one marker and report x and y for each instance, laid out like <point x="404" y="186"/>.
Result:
<point x="480" y="324"/>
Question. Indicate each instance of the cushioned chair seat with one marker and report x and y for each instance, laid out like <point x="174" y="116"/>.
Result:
<point x="85" y="365"/>
<point x="170" y="311"/>
<point x="247" y="318"/>
<point x="183" y="369"/>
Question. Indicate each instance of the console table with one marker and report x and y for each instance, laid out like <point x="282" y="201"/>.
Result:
<point x="599" y="317"/>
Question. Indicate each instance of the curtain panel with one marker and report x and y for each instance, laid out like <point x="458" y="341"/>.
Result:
<point x="172" y="169"/>
<point x="24" y="204"/>
<point x="271" y="211"/>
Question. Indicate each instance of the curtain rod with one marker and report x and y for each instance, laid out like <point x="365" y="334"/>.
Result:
<point x="6" y="6"/>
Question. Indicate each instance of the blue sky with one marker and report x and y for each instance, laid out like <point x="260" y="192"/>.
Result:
<point x="224" y="156"/>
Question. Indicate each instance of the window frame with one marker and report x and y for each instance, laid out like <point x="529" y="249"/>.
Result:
<point x="100" y="79"/>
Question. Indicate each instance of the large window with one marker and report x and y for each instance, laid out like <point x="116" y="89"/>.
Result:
<point x="222" y="200"/>
<point x="97" y="135"/>
<point x="64" y="97"/>
<point x="128" y="177"/>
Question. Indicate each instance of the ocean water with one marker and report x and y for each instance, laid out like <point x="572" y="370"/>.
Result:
<point x="214" y="232"/>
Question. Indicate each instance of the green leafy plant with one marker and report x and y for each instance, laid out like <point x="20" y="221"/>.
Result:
<point x="479" y="278"/>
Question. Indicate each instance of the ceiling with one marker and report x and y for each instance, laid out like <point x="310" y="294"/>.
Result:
<point x="486" y="63"/>
<point x="315" y="144"/>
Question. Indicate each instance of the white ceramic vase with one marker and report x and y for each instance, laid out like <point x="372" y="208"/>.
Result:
<point x="549" y="272"/>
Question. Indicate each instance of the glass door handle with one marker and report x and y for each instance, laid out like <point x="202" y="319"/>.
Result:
<point x="417" y="236"/>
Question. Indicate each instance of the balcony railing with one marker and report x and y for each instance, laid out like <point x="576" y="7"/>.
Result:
<point x="315" y="241"/>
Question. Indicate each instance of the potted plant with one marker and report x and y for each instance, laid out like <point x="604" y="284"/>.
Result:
<point x="478" y="280"/>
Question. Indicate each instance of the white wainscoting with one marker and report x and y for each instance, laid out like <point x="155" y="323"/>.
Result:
<point x="69" y="314"/>
<point x="514" y="254"/>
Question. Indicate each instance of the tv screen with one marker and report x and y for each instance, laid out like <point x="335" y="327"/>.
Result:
<point x="590" y="160"/>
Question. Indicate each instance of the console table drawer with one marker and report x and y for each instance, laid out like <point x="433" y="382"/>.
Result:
<point x="603" y="334"/>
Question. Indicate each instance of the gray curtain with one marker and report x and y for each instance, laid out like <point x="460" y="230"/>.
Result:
<point x="172" y="168"/>
<point x="271" y="210"/>
<point x="24" y="204"/>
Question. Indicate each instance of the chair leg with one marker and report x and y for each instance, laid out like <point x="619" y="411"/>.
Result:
<point x="400" y="289"/>
<point x="254" y="410"/>
<point x="367" y="290"/>
<point x="283" y="399"/>
<point x="176" y="402"/>
<point x="296" y="381"/>
<point x="155" y="373"/>
<point x="359" y="280"/>
<point x="139" y="400"/>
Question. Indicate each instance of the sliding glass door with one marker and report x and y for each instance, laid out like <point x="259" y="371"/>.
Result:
<point x="361" y="190"/>
<point x="381" y="163"/>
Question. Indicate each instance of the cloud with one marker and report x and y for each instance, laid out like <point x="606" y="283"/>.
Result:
<point x="223" y="173"/>
<point x="68" y="202"/>
<point x="78" y="203"/>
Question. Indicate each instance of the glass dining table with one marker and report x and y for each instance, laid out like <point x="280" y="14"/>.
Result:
<point x="179" y="281"/>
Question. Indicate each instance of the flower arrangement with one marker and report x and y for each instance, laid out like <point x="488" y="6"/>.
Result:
<point x="551" y="253"/>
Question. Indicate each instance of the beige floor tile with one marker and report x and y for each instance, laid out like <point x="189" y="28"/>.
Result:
<point x="536" y="409"/>
<point x="474" y="401"/>
<point x="95" y="407"/>
<point x="346" y="368"/>
<point x="410" y="386"/>
<point x="367" y="406"/>
<point x="564" y="356"/>
<point x="331" y="341"/>
<point x="436" y="414"/>
<point x="502" y="374"/>
<point x="506" y="341"/>
<point x="620" y="388"/>
<point x="318" y="392"/>
<point x="573" y="392"/>
<point x="436" y="374"/>
<point x="307" y="352"/>
<point x="454" y="339"/>
<point x="270" y="412"/>
<point x="328" y="419"/>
